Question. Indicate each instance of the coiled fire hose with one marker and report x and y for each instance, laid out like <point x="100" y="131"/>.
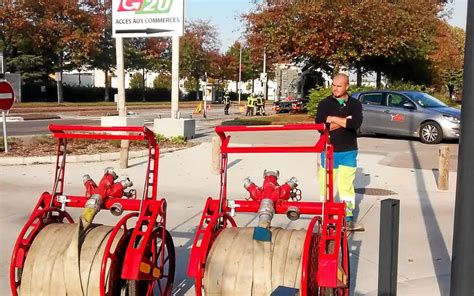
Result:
<point x="236" y="265"/>
<point x="65" y="259"/>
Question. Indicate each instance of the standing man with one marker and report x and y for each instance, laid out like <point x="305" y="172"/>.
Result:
<point x="343" y="114"/>
<point x="226" y="103"/>
<point x="260" y="105"/>
<point x="250" y="105"/>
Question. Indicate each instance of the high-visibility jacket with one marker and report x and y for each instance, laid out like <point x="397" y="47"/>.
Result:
<point x="250" y="102"/>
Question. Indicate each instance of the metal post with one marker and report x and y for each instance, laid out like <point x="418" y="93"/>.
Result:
<point x="240" y="72"/>
<point x="175" y="78"/>
<point x="463" y="238"/>
<point x="388" y="247"/>
<point x="120" y="76"/>
<point x="2" y="69"/>
<point x="265" y="83"/>
<point x="204" y="94"/>
<point x="5" y="142"/>
<point x="124" y="144"/>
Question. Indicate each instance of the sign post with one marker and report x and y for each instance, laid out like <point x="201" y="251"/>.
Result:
<point x="6" y="102"/>
<point x="142" y="18"/>
<point x="160" y="18"/>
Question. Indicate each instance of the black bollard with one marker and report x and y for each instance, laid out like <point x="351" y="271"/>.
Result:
<point x="388" y="247"/>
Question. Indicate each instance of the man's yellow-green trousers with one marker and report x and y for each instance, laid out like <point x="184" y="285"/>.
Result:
<point x="345" y="166"/>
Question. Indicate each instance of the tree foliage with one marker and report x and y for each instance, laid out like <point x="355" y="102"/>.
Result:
<point x="448" y="57"/>
<point x="198" y="46"/>
<point x="371" y="34"/>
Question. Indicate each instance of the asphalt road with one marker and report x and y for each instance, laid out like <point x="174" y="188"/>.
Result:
<point x="40" y="126"/>
<point x="398" y="152"/>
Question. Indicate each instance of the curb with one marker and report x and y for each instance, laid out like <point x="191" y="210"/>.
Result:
<point x="11" y="161"/>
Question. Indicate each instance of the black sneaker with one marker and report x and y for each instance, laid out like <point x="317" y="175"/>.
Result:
<point x="354" y="226"/>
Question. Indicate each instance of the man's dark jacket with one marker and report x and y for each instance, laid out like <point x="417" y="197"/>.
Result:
<point x="343" y="139"/>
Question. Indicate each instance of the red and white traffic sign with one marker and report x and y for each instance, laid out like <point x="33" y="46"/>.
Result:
<point x="6" y="96"/>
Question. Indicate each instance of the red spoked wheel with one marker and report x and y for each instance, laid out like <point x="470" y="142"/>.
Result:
<point x="161" y="251"/>
<point x="309" y="284"/>
<point x="113" y="259"/>
<point x="344" y="263"/>
<point x="215" y="226"/>
<point x="27" y="234"/>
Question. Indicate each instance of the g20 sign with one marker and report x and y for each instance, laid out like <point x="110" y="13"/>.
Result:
<point x="147" y="18"/>
<point x="145" y="6"/>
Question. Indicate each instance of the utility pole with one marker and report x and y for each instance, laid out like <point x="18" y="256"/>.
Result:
<point x="463" y="239"/>
<point x="240" y="71"/>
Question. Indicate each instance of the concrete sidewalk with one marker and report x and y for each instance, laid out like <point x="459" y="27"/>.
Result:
<point x="185" y="181"/>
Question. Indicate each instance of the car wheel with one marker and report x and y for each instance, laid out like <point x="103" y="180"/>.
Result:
<point x="431" y="133"/>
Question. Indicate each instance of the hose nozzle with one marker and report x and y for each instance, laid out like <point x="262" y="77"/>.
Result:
<point x="116" y="209"/>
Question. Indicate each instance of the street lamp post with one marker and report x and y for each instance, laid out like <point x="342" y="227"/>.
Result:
<point x="463" y="238"/>
<point x="240" y="71"/>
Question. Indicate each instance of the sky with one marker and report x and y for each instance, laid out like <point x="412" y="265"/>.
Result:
<point x="224" y="15"/>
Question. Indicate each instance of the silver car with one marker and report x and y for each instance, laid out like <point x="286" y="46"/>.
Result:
<point x="408" y="113"/>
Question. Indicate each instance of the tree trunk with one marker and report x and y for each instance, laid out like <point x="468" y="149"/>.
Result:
<point x="143" y="85"/>
<point x="106" y="86"/>
<point x="451" y="91"/>
<point x="197" y="89"/>
<point x="379" y="79"/>
<point x="237" y="86"/>
<point x="253" y="85"/>
<point x="359" y="75"/>
<point x="59" y="84"/>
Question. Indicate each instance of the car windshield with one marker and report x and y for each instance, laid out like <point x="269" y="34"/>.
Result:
<point x="425" y="100"/>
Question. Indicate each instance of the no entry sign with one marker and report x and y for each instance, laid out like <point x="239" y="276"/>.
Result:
<point x="6" y="95"/>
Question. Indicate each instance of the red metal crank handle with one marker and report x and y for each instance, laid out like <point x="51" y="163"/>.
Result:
<point x="103" y="132"/>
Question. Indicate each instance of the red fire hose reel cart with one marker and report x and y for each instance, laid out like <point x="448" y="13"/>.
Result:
<point x="54" y="255"/>
<point x="229" y="260"/>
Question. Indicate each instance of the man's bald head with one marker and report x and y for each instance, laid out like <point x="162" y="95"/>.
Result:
<point x="340" y="86"/>
<point x="342" y="78"/>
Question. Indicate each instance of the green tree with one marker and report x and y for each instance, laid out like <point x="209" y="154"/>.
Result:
<point x="12" y="24"/>
<point x="136" y="81"/>
<point x="103" y="55"/>
<point x="147" y="55"/>
<point x="163" y="80"/>
<point x="250" y="68"/>
<point x="62" y="33"/>
<point x="448" y="57"/>
<point x="198" y="45"/>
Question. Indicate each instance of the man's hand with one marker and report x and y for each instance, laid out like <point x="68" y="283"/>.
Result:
<point x="334" y="126"/>
<point x="336" y="121"/>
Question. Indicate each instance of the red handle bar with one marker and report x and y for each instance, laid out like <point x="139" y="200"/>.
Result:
<point x="137" y="133"/>
<point x="316" y="148"/>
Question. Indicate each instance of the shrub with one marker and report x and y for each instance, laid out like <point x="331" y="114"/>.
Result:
<point x="11" y="141"/>
<point x="160" y="139"/>
<point x="316" y="95"/>
<point x="44" y="140"/>
<point x="116" y="143"/>
<point x="178" y="140"/>
<point x="136" y="81"/>
<point x="162" y="81"/>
